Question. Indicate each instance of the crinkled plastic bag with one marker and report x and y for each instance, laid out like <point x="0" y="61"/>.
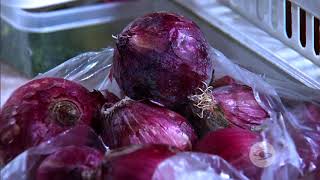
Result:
<point x="89" y="69"/>
<point x="24" y="166"/>
<point x="190" y="166"/>
<point x="285" y="159"/>
<point x="92" y="70"/>
<point x="303" y="105"/>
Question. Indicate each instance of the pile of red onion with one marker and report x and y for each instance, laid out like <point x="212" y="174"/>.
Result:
<point x="163" y="65"/>
<point x="131" y="122"/>
<point x="305" y="133"/>
<point x="162" y="57"/>
<point x="41" y="109"/>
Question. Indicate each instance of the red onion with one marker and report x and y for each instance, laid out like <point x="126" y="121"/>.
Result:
<point x="233" y="145"/>
<point x="133" y="122"/>
<point x="313" y="112"/>
<point x="306" y="135"/>
<point x="135" y="162"/>
<point x="110" y="98"/>
<point x="224" y="81"/>
<point x="228" y="106"/>
<point x="162" y="57"/>
<point x="41" y="109"/>
<point x="71" y="162"/>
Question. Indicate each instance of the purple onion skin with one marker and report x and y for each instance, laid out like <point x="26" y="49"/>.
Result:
<point x="135" y="162"/>
<point x="233" y="145"/>
<point x="162" y="57"/>
<point x="313" y="112"/>
<point x="306" y="135"/>
<point x="224" y="81"/>
<point x="110" y="98"/>
<point x="41" y="109"/>
<point x="224" y="104"/>
<point x="133" y="122"/>
<point x="238" y="103"/>
<point x="71" y="163"/>
<point x="239" y="106"/>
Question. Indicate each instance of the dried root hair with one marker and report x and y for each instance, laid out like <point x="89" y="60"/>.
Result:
<point x="203" y="100"/>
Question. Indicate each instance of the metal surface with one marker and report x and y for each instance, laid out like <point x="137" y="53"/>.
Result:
<point x="247" y="34"/>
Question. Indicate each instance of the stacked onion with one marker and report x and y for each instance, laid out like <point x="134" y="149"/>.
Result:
<point x="162" y="64"/>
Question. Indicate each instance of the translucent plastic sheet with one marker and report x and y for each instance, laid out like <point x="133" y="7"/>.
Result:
<point x="89" y="69"/>
<point x="196" y="166"/>
<point x="286" y="164"/>
<point x="303" y="123"/>
<point x="281" y="128"/>
<point x="24" y="166"/>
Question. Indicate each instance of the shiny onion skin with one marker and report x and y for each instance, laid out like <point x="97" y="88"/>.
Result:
<point x="41" y="109"/>
<point x="133" y="122"/>
<point x="306" y="135"/>
<point x="313" y="112"/>
<point x="227" y="104"/>
<point x="233" y="145"/>
<point x="71" y="163"/>
<point x="137" y="162"/>
<point x="110" y="98"/>
<point x="162" y="57"/>
<point x="224" y="81"/>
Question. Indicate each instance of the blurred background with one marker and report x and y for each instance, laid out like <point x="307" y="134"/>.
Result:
<point x="278" y="39"/>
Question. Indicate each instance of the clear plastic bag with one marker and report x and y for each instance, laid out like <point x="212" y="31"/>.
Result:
<point x="196" y="166"/>
<point x="286" y="161"/>
<point x="24" y="166"/>
<point x="303" y="106"/>
<point x="92" y="70"/>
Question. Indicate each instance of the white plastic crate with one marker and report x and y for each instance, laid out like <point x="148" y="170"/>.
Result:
<point x="294" y="22"/>
<point x="263" y="27"/>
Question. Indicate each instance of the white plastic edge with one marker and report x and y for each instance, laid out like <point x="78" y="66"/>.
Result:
<point x="31" y="4"/>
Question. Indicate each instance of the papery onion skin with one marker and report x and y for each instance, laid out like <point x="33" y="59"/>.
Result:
<point x="162" y="57"/>
<point x="71" y="163"/>
<point x="224" y="81"/>
<point x="133" y="122"/>
<point x="305" y="133"/>
<point x="227" y="104"/>
<point x="233" y="145"/>
<point x="313" y="112"/>
<point x="240" y="106"/>
<point x="110" y="98"/>
<point x="41" y="109"/>
<point x="137" y="162"/>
